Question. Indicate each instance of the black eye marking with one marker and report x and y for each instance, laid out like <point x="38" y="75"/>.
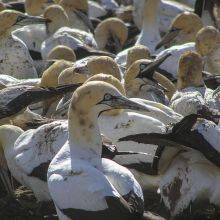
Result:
<point x="175" y="29"/>
<point x="20" y="18"/>
<point x="142" y="67"/>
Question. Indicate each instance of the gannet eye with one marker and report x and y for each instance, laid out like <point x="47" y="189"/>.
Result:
<point x="107" y="97"/>
<point x="142" y="66"/>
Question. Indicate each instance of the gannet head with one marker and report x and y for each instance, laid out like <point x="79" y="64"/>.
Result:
<point x="190" y="70"/>
<point x="36" y="7"/>
<point x="62" y="52"/>
<point x="49" y="79"/>
<point x="57" y="17"/>
<point x="113" y="81"/>
<point x="11" y="18"/>
<point x="103" y="64"/>
<point x="183" y="29"/>
<point x="97" y="97"/>
<point x="81" y="5"/>
<point x="70" y="76"/>
<point x="141" y="75"/>
<point x="111" y="34"/>
<point x="206" y="40"/>
<point x="137" y="52"/>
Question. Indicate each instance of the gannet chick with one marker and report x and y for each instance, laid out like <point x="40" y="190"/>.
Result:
<point x="15" y="57"/>
<point x="77" y="12"/>
<point x="62" y="53"/>
<point x="192" y="96"/>
<point x="150" y="34"/>
<point x="182" y="30"/>
<point x="147" y="84"/>
<point x="36" y="7"/>
<point x="111" y="35"/>
<point x="208" y="46"/>
<point x="83" y="151"/>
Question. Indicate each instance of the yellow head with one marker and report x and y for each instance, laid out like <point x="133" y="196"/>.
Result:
<point x="113" y="81"/>
<point x="183" y="30"/>
<point x="190" y="70"/>
<point x="137" y="52"/>
<point x="70" y="76"/>
<point x="58" y="17"/>
<point x="206" y="40"/>
<point x="111" y="34"/>
<point x="9" y="19"/>
<point x="104" y="64"/>
<point x="62" y="52"/>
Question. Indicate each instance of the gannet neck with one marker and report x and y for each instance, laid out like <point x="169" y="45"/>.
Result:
<point x="84" y="135"/>
<point x="150" y="13"/>
<point x="8" y="136"/>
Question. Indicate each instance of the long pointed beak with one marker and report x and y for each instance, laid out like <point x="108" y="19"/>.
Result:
<point x="23" y="20"/>
<point x="122" y="102"/>
<point x="171" y="35"/>
<point x="64" y="102"/>
<point x="149" y="70"/>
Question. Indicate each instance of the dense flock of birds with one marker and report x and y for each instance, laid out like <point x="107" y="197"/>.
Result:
<point x="103" y="103"/>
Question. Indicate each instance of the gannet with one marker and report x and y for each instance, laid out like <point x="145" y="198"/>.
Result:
<point x="193" y="173"/>
<point x="182" y="30"/>
<point x="15" y="58"/>
<point x="35" y="148"/>
<point x="116" y="124"/>
<point x="34" y="35"/>
<point x="192" y="96"/>
<point x="111" y="35"/>
<point x="81" y="154"/>
<point x="150" y="34"/>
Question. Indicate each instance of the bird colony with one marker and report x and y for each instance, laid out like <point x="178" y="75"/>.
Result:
<point x="110" y="109"/>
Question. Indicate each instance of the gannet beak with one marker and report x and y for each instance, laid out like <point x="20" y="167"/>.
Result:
<point x="151" y="67"/>
<point x="64" y="102"/>
<point x="121" y="102"/>
<point x="23" y="20"/>
<point x="171" y="35"/>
